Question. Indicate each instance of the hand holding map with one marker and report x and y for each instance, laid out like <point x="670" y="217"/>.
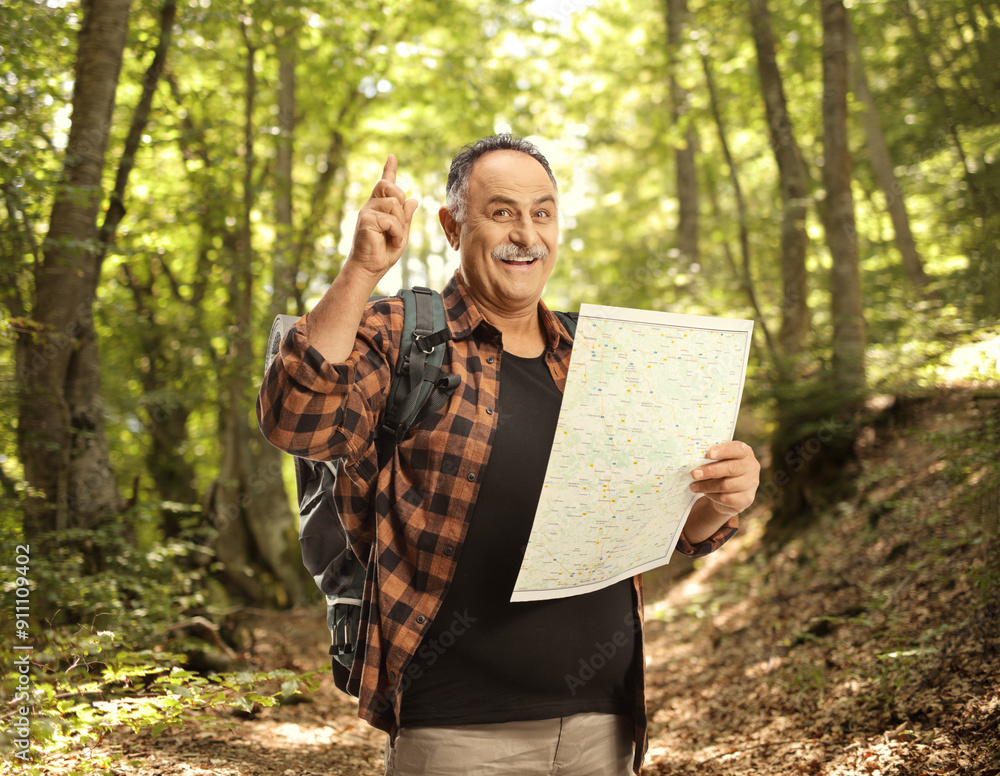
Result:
<point x="730" y="481"/>
<point x="647" y="394"/>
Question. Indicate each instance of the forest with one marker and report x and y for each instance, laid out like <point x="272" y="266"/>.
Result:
<point x="176" y="173"/>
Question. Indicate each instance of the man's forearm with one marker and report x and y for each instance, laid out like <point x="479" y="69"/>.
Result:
<point x="332" y="325"/>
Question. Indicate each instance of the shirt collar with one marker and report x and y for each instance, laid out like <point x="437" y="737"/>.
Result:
<point x="554" y="328"/>
<point x="462" y="314"/>
<point x="464" y="317"/>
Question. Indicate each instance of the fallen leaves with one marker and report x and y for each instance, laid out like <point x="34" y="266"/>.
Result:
<point x="869" y="647"/>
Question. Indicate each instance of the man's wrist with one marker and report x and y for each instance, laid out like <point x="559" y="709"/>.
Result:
<point x="704" y="520"/>
<point x="357" y="280"/>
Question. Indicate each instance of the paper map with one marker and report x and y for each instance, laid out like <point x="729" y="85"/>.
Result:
<point x="647" y="394"/>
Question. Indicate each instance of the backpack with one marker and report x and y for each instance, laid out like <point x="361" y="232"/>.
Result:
<point x="419" y="388"/>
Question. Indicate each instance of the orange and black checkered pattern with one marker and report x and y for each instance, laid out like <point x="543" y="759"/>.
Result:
<point x="410" y="521"/>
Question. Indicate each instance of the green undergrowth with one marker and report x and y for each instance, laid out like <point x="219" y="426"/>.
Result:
<point x="114" y="650"/>
<point x="82" y="685"/>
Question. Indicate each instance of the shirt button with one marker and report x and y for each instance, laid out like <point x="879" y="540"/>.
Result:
<point x="449" y="550"/>
<point x="421" y="619"/>
<point x="489" y="410"/>
<point x="490" y="359"/>
<point x="472" y="478"/>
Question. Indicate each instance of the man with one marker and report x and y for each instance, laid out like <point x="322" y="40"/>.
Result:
<point x="462" y="680"/>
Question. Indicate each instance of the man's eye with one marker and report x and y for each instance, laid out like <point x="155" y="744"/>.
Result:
<point x="542" y="214"/>
<point x="501" y="212"/>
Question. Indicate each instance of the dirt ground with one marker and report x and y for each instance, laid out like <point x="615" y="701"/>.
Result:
<point x="870" y="645"/>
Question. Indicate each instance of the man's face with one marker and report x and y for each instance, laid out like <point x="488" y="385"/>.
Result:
<point x="509" y="241"/>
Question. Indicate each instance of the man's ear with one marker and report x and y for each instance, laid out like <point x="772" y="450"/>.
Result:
<point x="452" y="228"/>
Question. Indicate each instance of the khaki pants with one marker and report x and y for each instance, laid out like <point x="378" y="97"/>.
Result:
<point x="581" y="745"/>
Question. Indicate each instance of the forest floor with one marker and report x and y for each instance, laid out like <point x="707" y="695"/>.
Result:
<point x="869" y="645"/>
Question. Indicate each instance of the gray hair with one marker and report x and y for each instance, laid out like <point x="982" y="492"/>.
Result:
<point x="457" y="189"/>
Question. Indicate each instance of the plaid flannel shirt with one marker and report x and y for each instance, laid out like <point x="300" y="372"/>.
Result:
<point x="424" y="497"/>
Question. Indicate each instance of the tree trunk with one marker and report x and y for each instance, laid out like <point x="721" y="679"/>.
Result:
<point x="684" y="157"/>
<point x="166" y="423"/>
<point x="172" y="474"/>
<point x="982" y="194"/>
<point x="801" y="481"/>
<point x="841" y="233"/>
<point x="794" y="184"/>
<point x="61" y="419"/>
<point x="284" y="269"/>
<point x="881" y="161"/>
<point x="270" y="519"/>
<point x="794" y="404"/>
<point x="256" y="542"/>
<point x="746" y="279"/>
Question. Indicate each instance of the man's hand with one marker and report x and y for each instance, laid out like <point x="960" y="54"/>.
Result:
<point x="383" y="227"/>
<point x="730" y="483"/>
<point x="379" y="240"/>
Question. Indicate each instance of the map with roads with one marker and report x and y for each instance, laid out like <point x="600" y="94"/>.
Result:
<point x="647" y="394"/>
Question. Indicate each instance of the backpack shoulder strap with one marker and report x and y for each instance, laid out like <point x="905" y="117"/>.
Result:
<point x="569" y="321"/>
<point x="419" y="386"/>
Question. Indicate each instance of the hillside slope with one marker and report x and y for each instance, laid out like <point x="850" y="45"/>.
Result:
<point x="870" y="643"/>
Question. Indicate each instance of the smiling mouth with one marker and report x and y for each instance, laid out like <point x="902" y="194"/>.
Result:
<point x="518" y="255"/>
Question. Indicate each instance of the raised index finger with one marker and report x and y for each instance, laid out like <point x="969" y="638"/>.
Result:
<point x="389" y="171"/>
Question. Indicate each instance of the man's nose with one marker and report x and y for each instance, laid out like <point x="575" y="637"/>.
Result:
<point x="523" y="232"/>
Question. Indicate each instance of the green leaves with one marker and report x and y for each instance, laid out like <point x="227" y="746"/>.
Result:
<point x="86" y="683"/>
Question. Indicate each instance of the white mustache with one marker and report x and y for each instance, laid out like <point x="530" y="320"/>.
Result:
<point x="511" y="252"/>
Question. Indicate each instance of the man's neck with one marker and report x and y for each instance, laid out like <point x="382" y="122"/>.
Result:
<point x="523" y="333"/>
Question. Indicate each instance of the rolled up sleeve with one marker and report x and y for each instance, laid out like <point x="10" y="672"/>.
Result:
<point x="712" y="543"/>
<point x="313" y="408"/>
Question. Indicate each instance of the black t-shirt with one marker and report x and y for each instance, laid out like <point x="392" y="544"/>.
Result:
<point x="486" y="659"/>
